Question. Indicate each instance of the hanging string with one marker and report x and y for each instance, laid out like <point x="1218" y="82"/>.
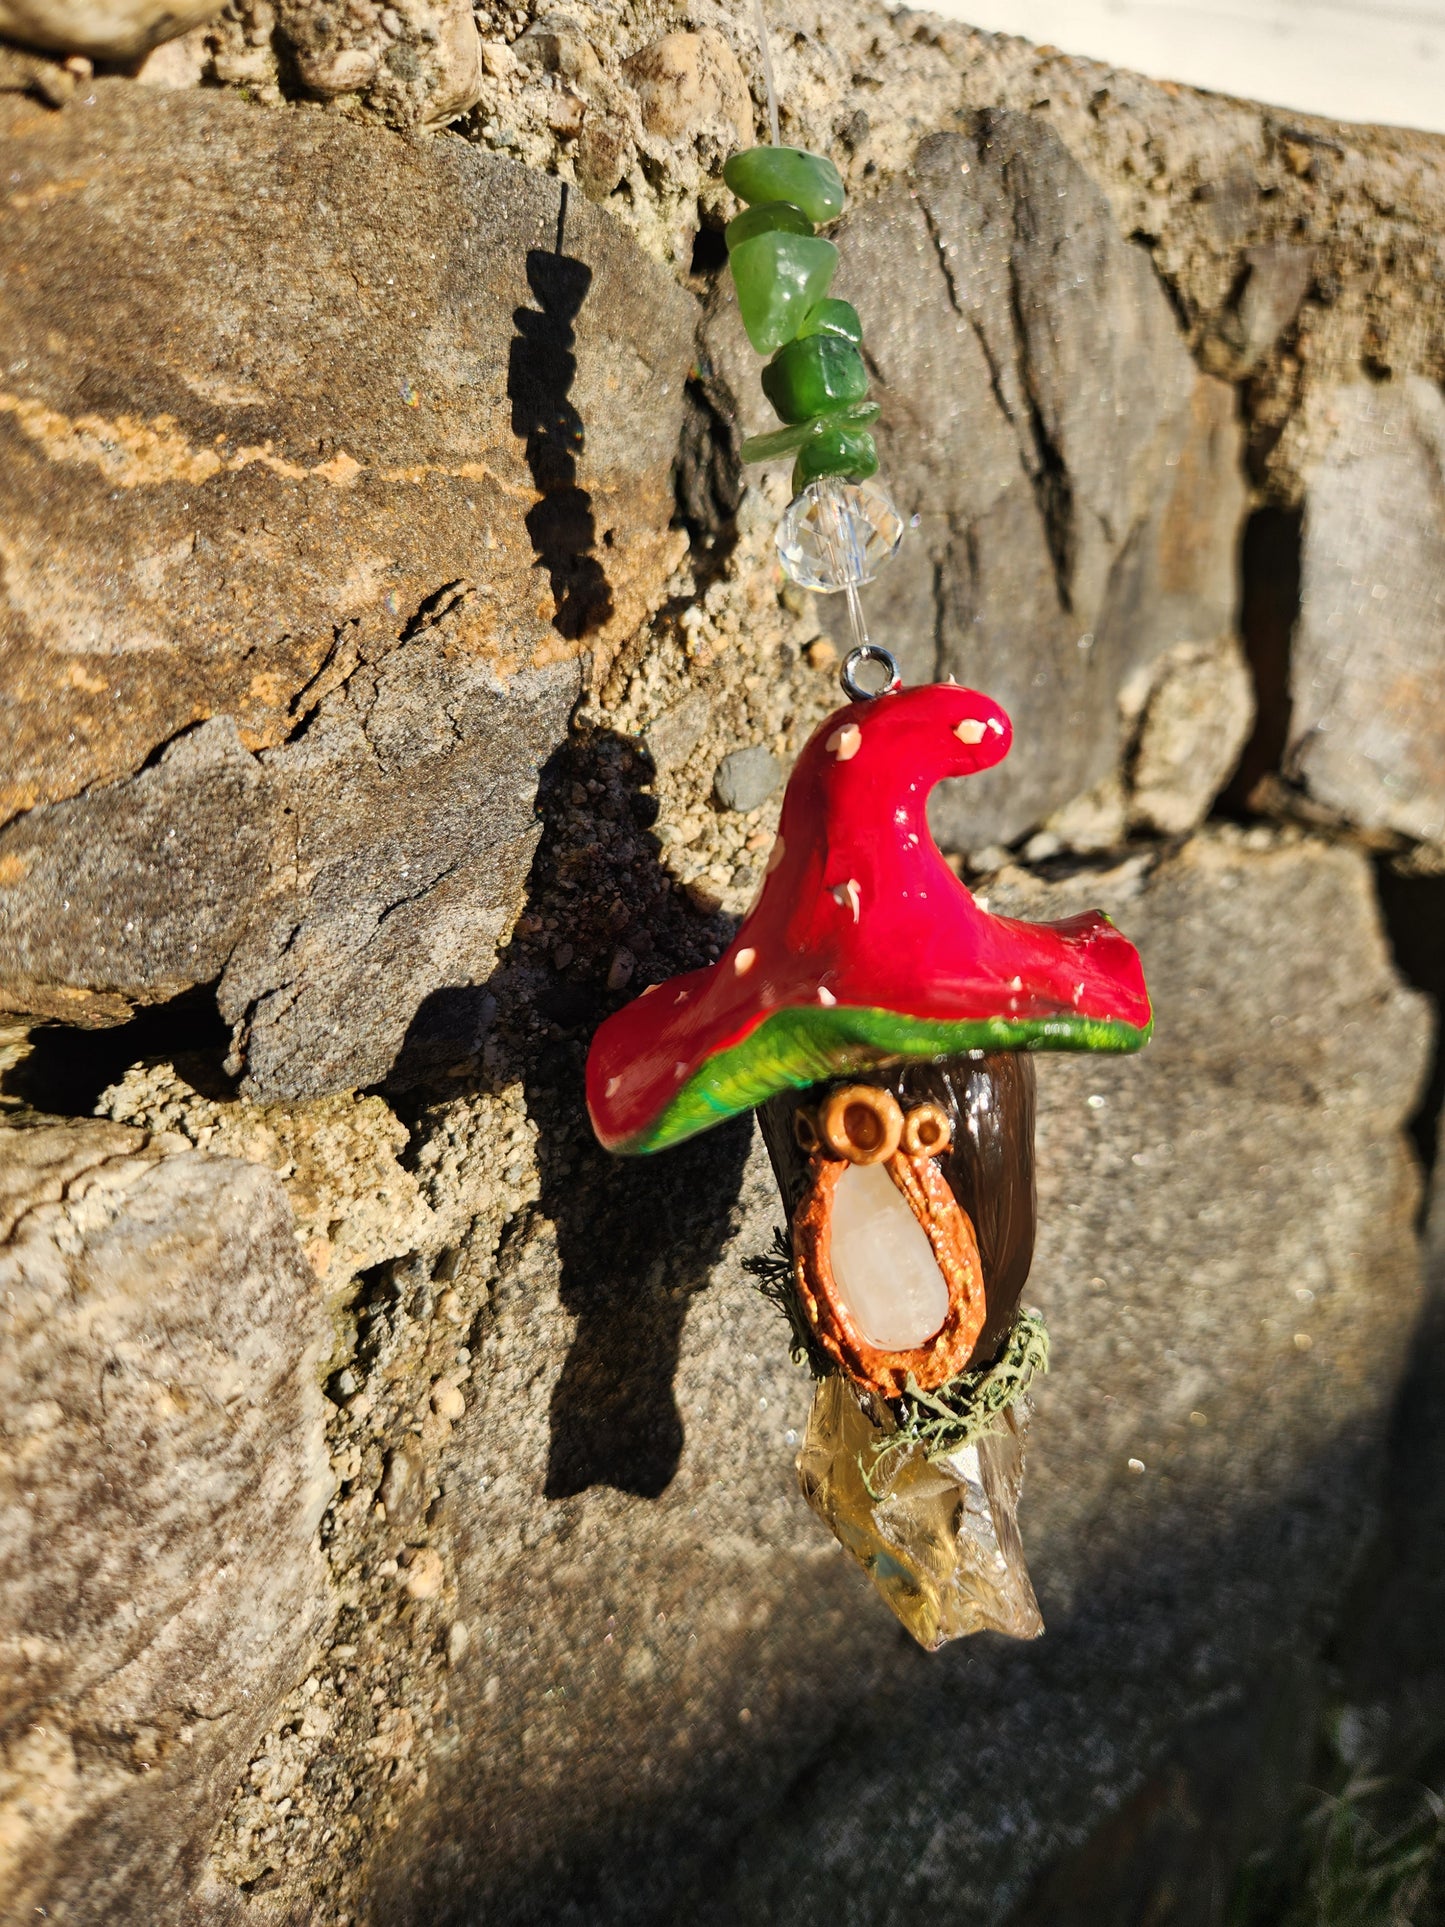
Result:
<point x="768" y="80"/>
<point x="833" y="530"/>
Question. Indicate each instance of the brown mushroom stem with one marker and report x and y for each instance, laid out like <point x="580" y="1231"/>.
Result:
<point x="986" y="1102"/>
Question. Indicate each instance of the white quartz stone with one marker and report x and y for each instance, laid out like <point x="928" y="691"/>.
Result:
<point x="883" y="1264"/>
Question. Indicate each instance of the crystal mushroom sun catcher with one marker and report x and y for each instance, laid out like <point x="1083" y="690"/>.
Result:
<point x="878" y="1018"/>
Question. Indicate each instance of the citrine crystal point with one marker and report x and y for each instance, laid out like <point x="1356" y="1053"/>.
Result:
<point x="940" y="1539"/>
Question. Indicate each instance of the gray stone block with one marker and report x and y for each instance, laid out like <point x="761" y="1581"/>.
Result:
<point x="1367" y="667"/>
<point x="163" y="1472"/>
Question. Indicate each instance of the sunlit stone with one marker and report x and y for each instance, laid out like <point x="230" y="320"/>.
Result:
<point x="883" y="1265"/>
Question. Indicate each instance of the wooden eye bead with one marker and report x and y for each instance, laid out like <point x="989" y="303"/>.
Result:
<point x="862" y="1124"/>
<point x="927" y="1132"/>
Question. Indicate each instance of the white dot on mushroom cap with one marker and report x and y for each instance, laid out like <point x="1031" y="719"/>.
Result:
<point x="612" y="1084"/>
<point x="970" y="730"/>
<point x="845" y="742"/>
<point x="1015" y="983"/>
<point x="775" y="856"/>
<point x="679" y="1070"/>
<point x="848" y="895"/>
<point x="995" y="725"/>
<point x="744" y="961"/>
<point x="826" y="997"/>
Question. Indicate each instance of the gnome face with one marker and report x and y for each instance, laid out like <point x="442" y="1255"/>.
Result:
<point x="910" y="1197"/>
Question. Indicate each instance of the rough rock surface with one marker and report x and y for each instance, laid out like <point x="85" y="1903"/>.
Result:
<point x="354" y="1203"/>
<point x="1077" y="483"/>
<point x="360" y="516"/>
<point x="1367" y="671"/>
<point x="162" y="1477"/>
<point x="579" y="1652"/>
<point x="100" y="29"/>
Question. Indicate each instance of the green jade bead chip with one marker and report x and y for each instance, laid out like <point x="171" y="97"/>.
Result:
<point x="787" y="441"/>
<point x="835" y="450"/>
<point x="779" y="217"/>
<point x="817" y="375"/>
<point x="809" y="181"/>
<point x="834" y="317"/>
<point x="779" y="278"/>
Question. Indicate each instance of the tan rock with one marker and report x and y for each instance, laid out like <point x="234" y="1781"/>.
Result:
<point x="1195" y="723"/>
<point x="177" y="63"/>
<point x="456" y="60"/>
<point x="425" y="1573"/>
<point x="349" y="70"/>
<point x="187" y="493"/>
<point x="668" y="77"/>
<point x="118" y="30"/>
<point x="686" y="80"/>
<point x="338" y="1158"/>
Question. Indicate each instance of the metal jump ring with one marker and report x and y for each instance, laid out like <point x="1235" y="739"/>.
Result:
<point x="854" y="661"/>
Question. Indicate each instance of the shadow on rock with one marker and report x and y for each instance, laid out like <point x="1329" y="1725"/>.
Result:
<point x="539" y="381"/>
<point x="635" y="1237"/>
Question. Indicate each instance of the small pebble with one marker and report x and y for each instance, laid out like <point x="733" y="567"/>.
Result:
<point x="425" y="1573"/>
<point x="446" y="1401"/>
<point x="746" y="778"/>
<point x="458" y="1640"/>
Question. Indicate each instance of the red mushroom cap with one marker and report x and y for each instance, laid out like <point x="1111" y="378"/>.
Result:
<point x="863" y="947"/>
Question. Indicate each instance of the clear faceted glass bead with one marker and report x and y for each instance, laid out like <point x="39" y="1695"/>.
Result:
<point x="838" y="534"/>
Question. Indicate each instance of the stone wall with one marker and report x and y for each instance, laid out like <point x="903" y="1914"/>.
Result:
<point x="396" y="1492"/>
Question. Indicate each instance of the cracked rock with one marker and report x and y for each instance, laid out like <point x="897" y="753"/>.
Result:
<point x="363" y="517"/>
<point x="1078" y="484"/>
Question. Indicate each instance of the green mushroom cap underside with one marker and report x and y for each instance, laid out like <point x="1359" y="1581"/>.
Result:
<point x="800" y="1045"/>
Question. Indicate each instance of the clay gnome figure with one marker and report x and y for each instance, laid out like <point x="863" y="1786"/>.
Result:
<point x="882" y="1022"/>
